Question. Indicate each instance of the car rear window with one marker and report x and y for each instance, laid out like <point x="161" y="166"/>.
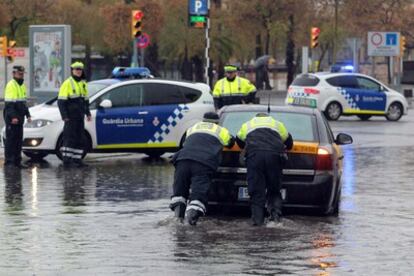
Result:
<point x="301" y="126"/>
<point x="306" y="80"/>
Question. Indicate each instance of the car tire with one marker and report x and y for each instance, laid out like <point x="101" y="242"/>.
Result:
<point x="364" y="117"/>
<point x="333" y="111"/>
<point x="154" y="154"/>
<point x="335" y="210"/>
<point x="394" y="112"/>
<point x="87" y="148"/>
<point x="35" y="155"/>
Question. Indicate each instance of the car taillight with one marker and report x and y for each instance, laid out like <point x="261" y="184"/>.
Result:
<point x="311" y="91"/>
<point x="323" y="160"/>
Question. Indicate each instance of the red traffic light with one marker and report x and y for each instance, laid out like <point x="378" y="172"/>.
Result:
<point x="138" y="15"/>
<point x="315" y="31"/>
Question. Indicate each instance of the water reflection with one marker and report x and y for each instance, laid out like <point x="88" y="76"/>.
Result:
<point x="13" y="189"/>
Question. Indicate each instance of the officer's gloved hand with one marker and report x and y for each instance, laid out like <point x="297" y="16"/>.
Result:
<point x="283" y="159"/>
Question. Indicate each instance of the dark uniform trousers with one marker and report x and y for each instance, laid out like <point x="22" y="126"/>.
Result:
<point x="195" y="174"/>
<point x="264" y="173"/>
<point x="13" y="143"/>
<point x="73" y="140"/>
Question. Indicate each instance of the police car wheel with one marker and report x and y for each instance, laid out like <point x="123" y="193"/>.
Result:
<point x="364" y="117"/>
<point x="333" y="111"/>
<point x="155" y="154"/>
<point x="395" y="111"/>
<point x="35" y="155"/>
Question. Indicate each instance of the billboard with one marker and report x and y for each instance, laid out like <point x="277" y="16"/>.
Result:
<point x="385" y="44"/>
<point x="50" y="57"/>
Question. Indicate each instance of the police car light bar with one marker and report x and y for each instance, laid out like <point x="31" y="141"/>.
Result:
<point x="131" y="72"/>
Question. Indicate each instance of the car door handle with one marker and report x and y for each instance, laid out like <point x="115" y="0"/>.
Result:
<point x="143" y="113"/>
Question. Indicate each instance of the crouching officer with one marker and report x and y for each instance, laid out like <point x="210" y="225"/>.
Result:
<point x="194" y="165"/>
<point x="233" y="89"/>
<point x="264" y="140"/>
<point x="15" y="110"/>
<point x="73" y="105"/>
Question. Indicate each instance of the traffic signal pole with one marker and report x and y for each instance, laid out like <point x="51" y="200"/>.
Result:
<point x="207" y="77"/>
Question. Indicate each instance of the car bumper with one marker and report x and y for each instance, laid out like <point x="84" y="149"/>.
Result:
<point x="307" y="190"/>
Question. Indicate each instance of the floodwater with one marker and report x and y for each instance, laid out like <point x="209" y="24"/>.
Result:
<point x="112" y="218"/>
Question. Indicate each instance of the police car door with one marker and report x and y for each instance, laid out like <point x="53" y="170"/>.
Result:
<point x="163" y="104"/>
<point x="370" y="98"/>
<point x="121" y="126"/>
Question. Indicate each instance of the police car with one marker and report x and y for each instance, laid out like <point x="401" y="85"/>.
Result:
<point x="338" y="94"/>
<point x="147" y="115"/>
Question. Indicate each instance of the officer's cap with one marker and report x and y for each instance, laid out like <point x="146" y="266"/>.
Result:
<point x="230" y="68"/>
<point x="77" y="65"/>
<point x="211" y="117"/>
<point x="262" y="114"/>
<point x="18" y="68"/>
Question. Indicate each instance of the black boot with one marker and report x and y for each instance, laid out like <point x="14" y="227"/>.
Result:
<point x="275" y="216"/>
<point x="192" y="216"/>
<point x="257" y="215"/>
<point x="179" y="210"/>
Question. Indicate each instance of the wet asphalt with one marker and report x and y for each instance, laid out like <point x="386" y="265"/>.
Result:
<point x="113" y="218"/>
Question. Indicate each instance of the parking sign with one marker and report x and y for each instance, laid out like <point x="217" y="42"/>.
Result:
<point x="198" y="7"/>
<point x="384" y="44"/>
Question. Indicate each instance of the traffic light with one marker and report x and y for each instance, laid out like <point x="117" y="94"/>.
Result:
<point x="3" y="46"/>
<point x="402" y="45"/>
<point x="10" y="50"/>
<point x="136" y="23"/>
<point x="315" y="31"/>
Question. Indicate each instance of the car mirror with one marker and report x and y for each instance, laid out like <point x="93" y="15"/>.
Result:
<point x="106" y="104"/>
<point x="343" y="139"/>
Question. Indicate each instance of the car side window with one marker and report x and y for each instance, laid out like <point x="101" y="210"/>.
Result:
<point x="162" y="94"/>
<point x="343" y="81"/>
<point x="123" y="96"/>
<point x="367" y="84"/>
<point x="190" y="95"/>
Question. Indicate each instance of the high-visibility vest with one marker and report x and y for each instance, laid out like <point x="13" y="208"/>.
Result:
<point x="222" y="134"/>
<point x="15" y="92"/>
<point x="263" y="122"/>
<point x="238" y="87"/>
<point x="72" y="89"/>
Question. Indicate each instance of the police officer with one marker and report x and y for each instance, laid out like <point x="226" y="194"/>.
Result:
<point x="265" y="141"/>
<point x="73" y="105"/>
<point x="15" y="110"/>
<point x="233" y="89"/>
<point x="194" y="165"/>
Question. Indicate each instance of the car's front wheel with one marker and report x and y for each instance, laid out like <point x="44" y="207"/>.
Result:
<point x="395" y="111"/>
<point x="154" y="154"/>
<point x="333" y="111"/>
<point x="364" y="117"/>
<point x="35" y="155"/>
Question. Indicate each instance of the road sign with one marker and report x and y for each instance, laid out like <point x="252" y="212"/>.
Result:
<point x="143" y="41"/>
<point x="198" y="7"/>
<point x="383" y="44"/>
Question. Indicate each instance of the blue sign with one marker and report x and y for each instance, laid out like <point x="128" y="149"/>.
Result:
<point x="198" y="7"/>
<point x="391" y="39"/>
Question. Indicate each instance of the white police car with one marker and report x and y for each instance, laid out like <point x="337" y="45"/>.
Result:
<point x="339" y="94"/>
<point x="149" y="116"/>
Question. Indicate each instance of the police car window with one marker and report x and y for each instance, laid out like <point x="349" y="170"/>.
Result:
<point x="190" y="95"/>
<point x="124" y="96"/>
<point x="162" y="94"/>
<point x="364" y="83"/>
<point x="306" y="80"/>
<point x="343" y="81"/>
<point x="301" y="126"/>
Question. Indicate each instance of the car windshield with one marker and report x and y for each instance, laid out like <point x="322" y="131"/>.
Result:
<point x="93" y="88"/>
<point x="301" y="126"/>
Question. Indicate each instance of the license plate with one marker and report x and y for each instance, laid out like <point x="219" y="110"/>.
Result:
<point x="244" y="194"/>
<point x="304" y="101"/>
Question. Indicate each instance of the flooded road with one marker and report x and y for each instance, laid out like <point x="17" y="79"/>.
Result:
<point x="113" y="218"/>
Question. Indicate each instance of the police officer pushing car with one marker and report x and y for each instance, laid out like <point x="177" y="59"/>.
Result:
<point x="233" y="89"/>
<point x="264" y="140"/>
<point x="73" y="105"/>
<point x="195" y="164"/>
<point x="15" y="110"/>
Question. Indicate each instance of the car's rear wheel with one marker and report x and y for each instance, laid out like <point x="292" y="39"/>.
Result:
<point x="35" y="155"/>
<point x="364" y="117"/>
<point x="395" y="111"/>
<point x="333" y="111"/>
<point x="87" y="146"/>
<point x="154" y="154"/>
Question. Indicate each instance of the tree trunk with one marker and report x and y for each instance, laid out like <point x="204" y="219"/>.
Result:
<point x="290" y="51"/>
<point x="88" y="62"/>
<point x="267" y="45"/>
<point x="259" y="52"/>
